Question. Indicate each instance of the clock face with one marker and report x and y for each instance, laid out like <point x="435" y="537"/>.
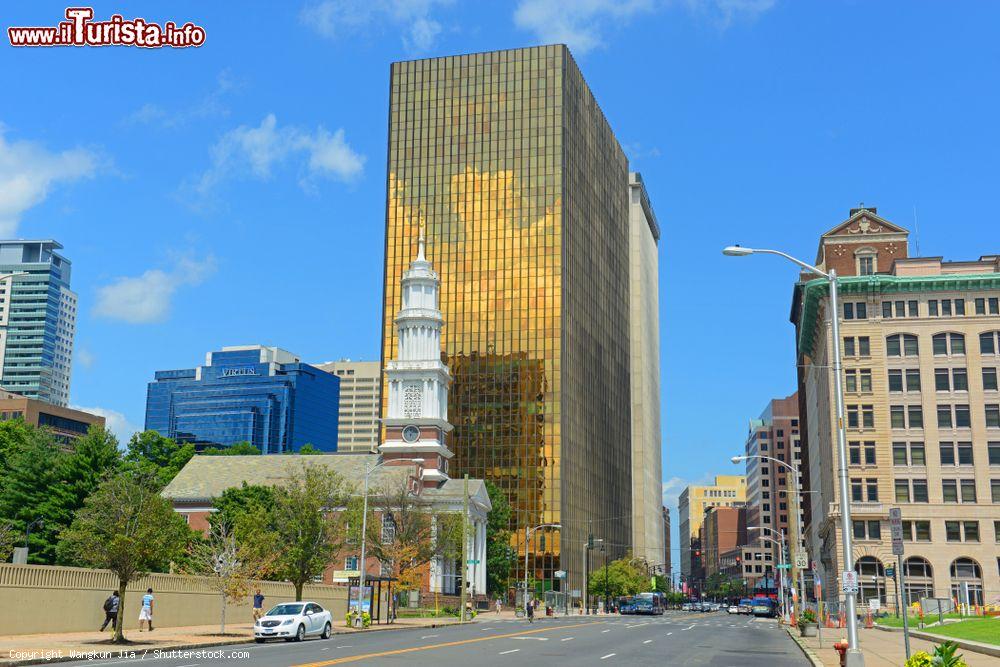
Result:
<point x="411" y="433"/>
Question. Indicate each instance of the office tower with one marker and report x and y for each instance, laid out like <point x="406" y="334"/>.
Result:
<point x="771" y="500"/>
<point x="921" y="352"/>
<point x="37" y="320"/>
<point x="360" y="386"/>
<point x="65" y="424"/>
<point x="722" y="531"/>
<point x="261" y="395"/>
<point x="508" y="161"/>
<point x="727" y="491"/>
<point x="644" y="345"/>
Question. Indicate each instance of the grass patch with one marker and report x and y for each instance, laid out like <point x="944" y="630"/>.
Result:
<point x="892" y="622"/>
<point x="986" y="630"/>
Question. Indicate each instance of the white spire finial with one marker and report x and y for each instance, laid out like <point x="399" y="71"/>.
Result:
<point x="420" y="245"/>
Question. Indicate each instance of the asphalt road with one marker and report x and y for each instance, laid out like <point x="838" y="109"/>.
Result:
<point x="676" y="638"/>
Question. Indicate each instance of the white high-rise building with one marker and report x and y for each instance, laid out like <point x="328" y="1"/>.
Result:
<point x="37" y="320"/>
<point x="644" y="361"/>
<point x="360" y="398"/>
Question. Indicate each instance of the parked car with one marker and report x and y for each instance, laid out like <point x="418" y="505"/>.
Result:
<point x="686" y="606"/>
<point x="293" y="621"/>
<point x="733" y="609"/>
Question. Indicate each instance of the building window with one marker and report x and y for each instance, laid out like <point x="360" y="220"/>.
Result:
<point x="953" y="416"/>
<point x="388" y="529"/>
<point x="966" y="570"/>
<point x="993" y="451"/>
<point x="908" y="454"/>
<point x="990" y="379"/>
<point x="989" y="343"/>
<point x="995" y="490"/>
<point x="858" y="380"/>
<point x="948" y="344"/>
<point x="917" y="531"/>
<point x="867" y="530"/>
<point x="866" y="263"/>
<point x="951" y="379"/>
<point x="956" y="453"/>
<point x="855" y="310"/>
<point x="907" y="380"/>
<point x="860" y="416"/>
<point x="901" y="345"/>
<point x="953" y="531"/>
<point x="906" y="416"/>
<point x="911" y="490"/>
<point x="351" y="563"/>
<point x="993" y="415"/>
<point x="958" y="490"/>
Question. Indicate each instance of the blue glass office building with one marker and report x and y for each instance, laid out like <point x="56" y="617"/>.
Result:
<point x="261" y="395"/>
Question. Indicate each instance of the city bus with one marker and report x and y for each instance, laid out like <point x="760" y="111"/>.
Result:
<point x="652" y="604"/>
<point x="764" y="607"/>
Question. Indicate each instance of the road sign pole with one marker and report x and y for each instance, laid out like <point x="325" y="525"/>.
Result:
<point x="901" y="582"/>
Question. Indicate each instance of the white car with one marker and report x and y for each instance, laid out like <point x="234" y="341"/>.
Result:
<point x="293" y="621"/>
<point x="733" y="609"/>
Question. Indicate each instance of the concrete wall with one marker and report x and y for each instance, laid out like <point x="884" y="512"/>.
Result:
<point x="40" y="599"/>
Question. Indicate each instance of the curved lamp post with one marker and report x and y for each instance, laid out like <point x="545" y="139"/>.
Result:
<point x="527" y="543"/>
<point x="854" y="657"/>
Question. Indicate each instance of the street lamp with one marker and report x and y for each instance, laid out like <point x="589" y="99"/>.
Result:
<point x="781" y="546"/>
<point x="364" y="528"/>
<point x="527" y="543"/>
<point x="854" y="657"/>
<point x="798" y="511"/>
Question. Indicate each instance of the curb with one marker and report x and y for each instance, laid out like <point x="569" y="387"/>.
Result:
<point x="964" y="644"/>
<point x="812" y="657"/>
<point x="114" y="648"/>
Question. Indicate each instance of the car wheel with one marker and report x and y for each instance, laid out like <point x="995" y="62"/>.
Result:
<point x="301" y="633"/>
<point x="326" y="631"/>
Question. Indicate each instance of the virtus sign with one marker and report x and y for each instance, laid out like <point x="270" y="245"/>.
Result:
<point x="238" y="372"/>
<point x="81" y="30"/>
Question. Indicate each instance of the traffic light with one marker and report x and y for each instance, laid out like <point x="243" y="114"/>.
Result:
<point x="590" y="541"/>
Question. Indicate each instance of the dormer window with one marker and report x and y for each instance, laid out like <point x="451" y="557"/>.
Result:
<point x="866" y="259"/>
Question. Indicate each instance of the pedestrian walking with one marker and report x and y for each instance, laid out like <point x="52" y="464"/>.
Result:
<point x="529" y="609"/>
<point x="111" y="610"/>
<point x="146" y="612"/>
<point x="258" y="606"/>
<point x="499" y="606"/>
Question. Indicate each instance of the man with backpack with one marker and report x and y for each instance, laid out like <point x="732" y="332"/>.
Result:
<point x="111" y="610"/>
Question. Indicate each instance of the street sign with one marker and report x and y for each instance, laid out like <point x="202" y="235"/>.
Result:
<point x="890" y="572"/>
<point x="560" y="574"/>
<point x="783" y="566"/>
<point x="801" y="560"/>
<point x="896" y="530"/>
<point x="849" y="581"/>
<point x="472" y="562"/>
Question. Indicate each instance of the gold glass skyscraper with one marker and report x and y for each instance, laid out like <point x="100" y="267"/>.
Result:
<point x="510" y="164"/>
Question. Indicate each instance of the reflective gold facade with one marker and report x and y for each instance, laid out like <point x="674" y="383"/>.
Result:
<point x="507" y="160"/>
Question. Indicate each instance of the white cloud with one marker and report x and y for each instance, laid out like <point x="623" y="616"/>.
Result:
<point x="582" y="24"/>
<point x="146" y="299"/>
<point x="257" y="150"/>
<point x="335" y="19"/>
<point x="84" y="357"/>
<point x="115" y="421"/>
<point x="578" y="24"/>
<point x="209" y="106"/>
<point x="28" y="172"/>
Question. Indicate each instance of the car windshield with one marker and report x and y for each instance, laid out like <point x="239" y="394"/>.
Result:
<point x="286" y="610"/>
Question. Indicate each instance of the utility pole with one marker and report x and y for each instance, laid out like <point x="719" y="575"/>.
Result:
<point x="465" y="547"/>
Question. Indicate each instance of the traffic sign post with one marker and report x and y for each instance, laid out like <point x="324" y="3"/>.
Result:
<point x="801" y="560"/>
<point x="849" y="582"/>
<point x="896" y="529"/>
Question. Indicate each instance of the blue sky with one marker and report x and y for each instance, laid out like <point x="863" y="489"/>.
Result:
<point x="235" y="193"/>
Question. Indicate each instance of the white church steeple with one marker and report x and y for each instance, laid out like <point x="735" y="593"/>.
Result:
<point x="417" y="420"/>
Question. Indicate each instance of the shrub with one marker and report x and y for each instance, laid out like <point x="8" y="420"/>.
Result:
<point x="944" y="655"/>
<point x="807" y="616"/>
<point x="920" y="659"/>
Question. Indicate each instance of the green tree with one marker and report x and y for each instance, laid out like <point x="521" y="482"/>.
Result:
<point x="622" y="577"/>
<point x="308" y="450"/>
<point x="500" y="555"/>
<point x="150" y="454"/>
<point x="127" y="527"/>
<point x="7" y="537"/>
<point x="236" y="501"/>
<point x="238" y="449"/>
<point x="31" y="488"/>
<point x="308" y="529"/>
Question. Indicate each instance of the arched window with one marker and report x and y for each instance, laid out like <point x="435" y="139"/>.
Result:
<point x="967" y="571"/>
<point x="949" y="343"/>
<point x="919" y="579"/>
<point x="989" y="342"/>
<point x="871" y="579"/>
<point x="901" y="345"/>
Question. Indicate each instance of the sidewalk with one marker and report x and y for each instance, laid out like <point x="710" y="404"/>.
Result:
<point x="29" y="649"/>
<point x="881" y="648"/>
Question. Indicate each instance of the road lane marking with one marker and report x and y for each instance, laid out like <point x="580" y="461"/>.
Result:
<point x="609" y="655"/>
<point x="513" y="650"/>
<point x="669" y="633"/>
<point x="566" y="639"/>
<point x="428" y="647"/>
<point x="687" y="628"/>
<point x="647" y="641"/>
<point x="603" y="631"/>
<point x="429" y="636"/>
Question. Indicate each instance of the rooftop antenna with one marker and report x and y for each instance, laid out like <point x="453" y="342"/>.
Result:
<point x="916" y="232"/>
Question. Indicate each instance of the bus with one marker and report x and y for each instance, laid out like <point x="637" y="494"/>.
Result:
<point x="762" y="606"/>
<point x="652" y="604"/>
